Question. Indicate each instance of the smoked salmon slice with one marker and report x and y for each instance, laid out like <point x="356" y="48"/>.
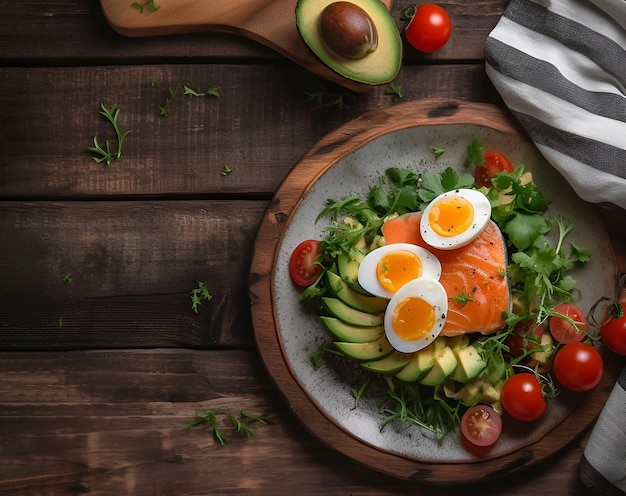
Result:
<point x="474" y="276"/>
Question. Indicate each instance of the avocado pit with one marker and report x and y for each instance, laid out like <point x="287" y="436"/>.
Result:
<point x="347" y="30"/>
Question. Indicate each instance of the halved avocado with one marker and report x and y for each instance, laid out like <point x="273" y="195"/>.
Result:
<point x="377" y="67"/>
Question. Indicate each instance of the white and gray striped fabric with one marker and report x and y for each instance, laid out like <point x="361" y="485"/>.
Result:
<point x="560" y="67"/>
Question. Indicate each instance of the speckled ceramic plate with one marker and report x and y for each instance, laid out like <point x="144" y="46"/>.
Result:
<point x="353" y="171"/>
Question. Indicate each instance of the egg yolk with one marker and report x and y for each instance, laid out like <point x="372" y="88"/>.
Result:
<point x="413" y="318"/>
<point x="451" y="216"/>
<point x="396" y="268"/>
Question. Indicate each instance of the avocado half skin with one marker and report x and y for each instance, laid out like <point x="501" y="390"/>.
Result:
<point x="378" y="67"/>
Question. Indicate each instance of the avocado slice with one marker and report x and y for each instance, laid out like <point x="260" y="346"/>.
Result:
<point x="351" y="333"/>
<point x="377" y="67"/>
<point x="362" y="352"/>
<point x="348" y="267"/>
<point x="349" y="315"/>
<point x="341" y="289"/>
<point x="470" y="364"/>
<point x="390" y="364"/>
<point x="443" y="366"/>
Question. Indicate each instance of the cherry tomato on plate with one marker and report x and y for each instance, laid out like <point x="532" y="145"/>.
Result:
<point x="428" y="27"/>
<point x="494" y="162"/>
<point x="613" y="329"/>
<point x="526" y="336"/>
<point x="522" y="397"/>
<point x="578" y="366"/>
<point x="303" y="268"/>
<point x="562" y="329"/>
<point x="481" y="425"/>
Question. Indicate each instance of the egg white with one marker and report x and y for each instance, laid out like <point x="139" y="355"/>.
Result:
<point x="431" y="267"/>
<point x="482" y="214"/>
<point x="431" y="291"/>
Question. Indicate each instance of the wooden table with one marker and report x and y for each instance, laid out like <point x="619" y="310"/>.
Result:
<point x="103" y="362"/>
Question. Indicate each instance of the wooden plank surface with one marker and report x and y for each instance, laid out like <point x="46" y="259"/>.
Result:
<point x="261" y="124"/>
<point x="133" y="266"/>
<point x="120" y="427"/>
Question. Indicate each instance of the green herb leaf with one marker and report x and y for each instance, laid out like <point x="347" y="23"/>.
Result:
<point x="227" y="170"/>
<point x="475" y="152"/>
<point x="240" y="427"/>
<point x="105" y="154"/>
<point x="324" y="98"/>
<point x="263" y="419"/>
<point x="523" y="229"/>
<point x="438" y="152"/>
<point x="209" y="418"/>
<point x="463" y="298"/>
<point x="358" y="393"/>
<point x="198" y="295"/>
<point x="396" y="91"/>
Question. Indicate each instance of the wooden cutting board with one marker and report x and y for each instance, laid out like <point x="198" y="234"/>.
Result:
<point x="269" y="22"/>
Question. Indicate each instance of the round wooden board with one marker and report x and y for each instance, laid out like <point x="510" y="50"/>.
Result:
<point x="327" y="152"/>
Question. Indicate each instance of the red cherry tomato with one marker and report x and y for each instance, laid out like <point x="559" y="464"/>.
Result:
<point x="526" y="336"/>
<point x="302" y="267"/>
<point x="562" y="330"/>
<point x="613" y="330"/>
<point x="578" y="366"/>
<point x="481" y="425"/>
<point x="429" y="29"/>
<point x="522" y="397"/>
<point x="494" y="162"/>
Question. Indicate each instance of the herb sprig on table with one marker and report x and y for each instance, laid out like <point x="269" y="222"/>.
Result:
<point x="106" y="154"/>
<point x="240" y="424"/>
<point x="200" y="294"/>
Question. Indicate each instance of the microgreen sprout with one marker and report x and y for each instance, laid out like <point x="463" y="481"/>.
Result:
<point x="396" y="91"/>
<point x="209" y="418"/>
<point x="210" y="92"/>
<point x="198" y="295"/>
<point x="358" y="393"/>
<point x="438" y="152"/>
<point x="105" y="154"/>
<point x="240" y="424"/>
<point x="172" y="92"/>
<point x="67" y="278"/>
<point x="240" y="427"/>
<point x="227" y="170"/>
<point x="324" y="98"/>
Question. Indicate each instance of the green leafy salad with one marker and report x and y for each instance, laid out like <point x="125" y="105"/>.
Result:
<point x="448" y="374"/>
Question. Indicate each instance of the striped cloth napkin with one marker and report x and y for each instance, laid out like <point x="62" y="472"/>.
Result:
<point x="560" y="67"/>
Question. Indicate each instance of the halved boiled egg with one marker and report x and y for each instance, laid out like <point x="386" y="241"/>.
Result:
<point x="385" y="270"/>
<point x="455" y="218"/>
<point x="416" y="314"/>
